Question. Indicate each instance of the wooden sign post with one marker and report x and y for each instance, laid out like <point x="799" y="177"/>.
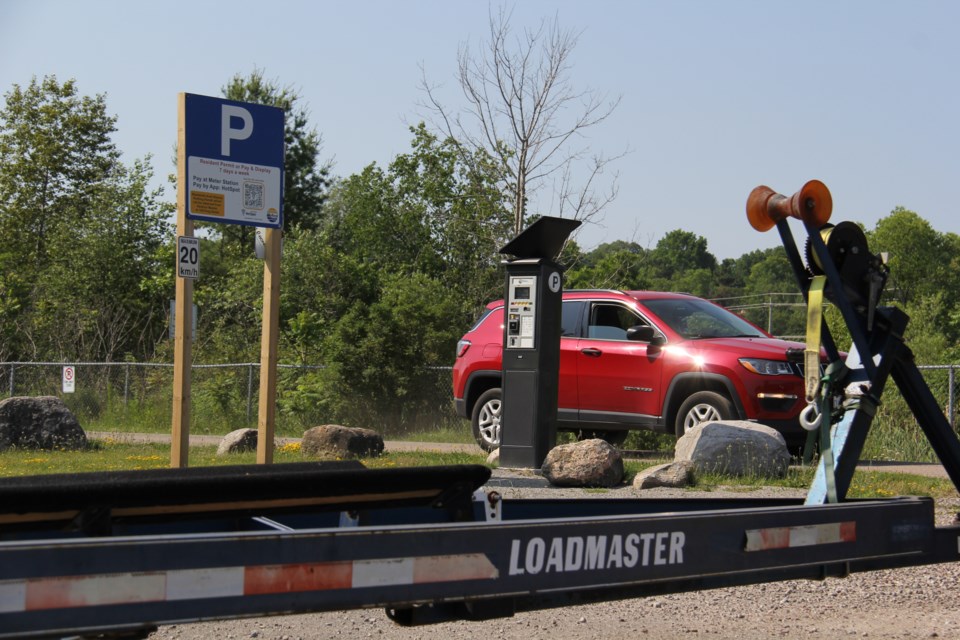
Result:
<point x="266" y="422"/>
<point x="230" y="159"/>
<point x="183" y="314"/>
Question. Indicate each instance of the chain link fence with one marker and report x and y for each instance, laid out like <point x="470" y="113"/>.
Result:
<point x="781" y="314"/>
<point x="132" y="397"/>
<point x="137" y="396"/>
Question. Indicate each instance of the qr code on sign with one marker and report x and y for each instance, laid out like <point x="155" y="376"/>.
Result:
<point x="252" y="194"/>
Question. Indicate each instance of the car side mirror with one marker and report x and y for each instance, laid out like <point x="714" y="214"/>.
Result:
<point x="644" y="333"/>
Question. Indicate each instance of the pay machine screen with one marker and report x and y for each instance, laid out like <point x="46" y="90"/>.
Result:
<point x="521" y="312"/>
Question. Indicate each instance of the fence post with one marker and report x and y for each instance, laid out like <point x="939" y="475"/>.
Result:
<point x="249" y="392"/>
<point x="950" y="406"/>
<point x="126" y="385"/>
<point x="12" y="386"/>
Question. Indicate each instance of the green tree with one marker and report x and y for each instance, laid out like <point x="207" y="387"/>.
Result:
<point x="368" y="219"/>
<point x="614" y="265"/>
<point x="919" y="256"/>
<point x="680" y="251"/>
<point x="428" y="212"/>
<point x="682" y="262"/>
<point x="734" y="273"/>
<point x="772" y="297"/>
<point x="85" y="232"/>
<point x="98" y="302"/>
<point x="55" y="151"/>
<point x="380" y="357"/>
<point x="465" y="213"/>
<point x="320" y="285"/>
<point x="924" y="272"/>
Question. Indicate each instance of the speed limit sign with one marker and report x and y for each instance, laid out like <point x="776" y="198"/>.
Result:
<point x="188" y="256"/>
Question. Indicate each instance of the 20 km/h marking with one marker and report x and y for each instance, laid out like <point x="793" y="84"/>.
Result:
<point x="188" y="257"/>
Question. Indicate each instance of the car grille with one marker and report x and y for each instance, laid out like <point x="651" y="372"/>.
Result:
<point x="799" y="368"/>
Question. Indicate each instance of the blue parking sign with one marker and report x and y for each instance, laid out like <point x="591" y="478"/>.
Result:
<point x="234" y="153"/>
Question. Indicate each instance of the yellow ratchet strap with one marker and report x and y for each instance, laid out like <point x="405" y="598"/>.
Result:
<point x="811" y="355"/>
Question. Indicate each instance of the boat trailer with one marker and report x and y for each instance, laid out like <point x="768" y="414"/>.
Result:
<point x="118" y="553"/>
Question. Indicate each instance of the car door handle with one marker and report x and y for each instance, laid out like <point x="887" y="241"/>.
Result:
<point x="593" y="353"/>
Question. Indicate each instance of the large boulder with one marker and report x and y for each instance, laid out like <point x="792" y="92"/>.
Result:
<point x="238" y="441"/>
<point x="589" y="463"/>
<point x="42" y="422"/>
<point x="335" y="441"/>
<point x="736" y="448"/>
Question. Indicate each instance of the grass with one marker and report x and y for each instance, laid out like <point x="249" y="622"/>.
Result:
<point x="460" y="434"/>
<point x="894" y="435"/>
<point x="865" y="484"/>
<point x="112" y="455"/>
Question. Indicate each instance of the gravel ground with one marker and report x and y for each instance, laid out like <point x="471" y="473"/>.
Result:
<point x="917" y="602"/>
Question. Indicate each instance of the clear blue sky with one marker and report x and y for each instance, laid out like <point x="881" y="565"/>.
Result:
<point x="717" y="97"/>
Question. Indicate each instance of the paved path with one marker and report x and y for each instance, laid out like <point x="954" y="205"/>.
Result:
<point x="199" y="440"/>
<point x="915" y="468"/>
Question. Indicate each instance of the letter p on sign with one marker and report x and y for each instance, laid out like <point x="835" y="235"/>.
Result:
<point x="227" y="133"/>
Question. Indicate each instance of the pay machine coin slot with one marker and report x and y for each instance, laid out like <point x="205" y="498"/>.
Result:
<point x="522" y="312"/>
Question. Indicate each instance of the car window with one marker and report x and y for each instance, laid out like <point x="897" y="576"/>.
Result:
<point x="570" y="317"/>
<point x="611" y="321"/>
<point x="696" y="318"/>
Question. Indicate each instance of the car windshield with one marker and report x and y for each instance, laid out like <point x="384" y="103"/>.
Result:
<point x="693" y="318"/>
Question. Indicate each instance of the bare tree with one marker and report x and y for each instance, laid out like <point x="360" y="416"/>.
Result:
<point x="523" y="110"/>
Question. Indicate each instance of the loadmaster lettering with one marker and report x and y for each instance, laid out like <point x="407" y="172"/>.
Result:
<point x="577" y="553"/>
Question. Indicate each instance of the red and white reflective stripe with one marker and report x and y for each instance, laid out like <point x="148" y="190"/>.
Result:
<point x="805" y="536"/>
<point x="38" y="594"/>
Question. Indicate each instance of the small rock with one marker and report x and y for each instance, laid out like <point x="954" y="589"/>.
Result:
<point x="677" y="474"/>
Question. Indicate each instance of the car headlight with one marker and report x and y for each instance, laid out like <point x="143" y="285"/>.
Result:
<point x="767" y="367"/>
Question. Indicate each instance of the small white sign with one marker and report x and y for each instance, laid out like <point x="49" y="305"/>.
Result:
<point x="188" y="257"/>
<point x="172" y="327"/>
<point x="222" y="191"/>
<point x="69" y="379"/>
<point x="260" y="244"/>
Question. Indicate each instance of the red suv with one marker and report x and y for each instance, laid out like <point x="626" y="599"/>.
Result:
<point x="642" y="360"/>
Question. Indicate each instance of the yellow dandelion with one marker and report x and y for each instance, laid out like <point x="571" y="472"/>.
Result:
<point x="290" y="447"/>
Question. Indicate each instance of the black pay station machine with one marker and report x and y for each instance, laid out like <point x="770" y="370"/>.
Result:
<point x="531" y="342"/>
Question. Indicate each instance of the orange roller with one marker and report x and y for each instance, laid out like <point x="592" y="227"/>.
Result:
<point x="812" y="204"/>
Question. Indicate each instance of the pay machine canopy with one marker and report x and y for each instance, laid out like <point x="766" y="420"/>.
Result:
<point x="541" y="240"/>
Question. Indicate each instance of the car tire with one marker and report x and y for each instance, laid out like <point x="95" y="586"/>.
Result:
<point x="702" y="406"/>
<point x="486" y="419"/>
<point x="616" y="438"/>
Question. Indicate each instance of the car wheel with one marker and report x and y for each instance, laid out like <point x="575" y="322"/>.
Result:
<point x="701" y="407"/>
<point x="486" y="419"/>
<point x="616" y="438"/>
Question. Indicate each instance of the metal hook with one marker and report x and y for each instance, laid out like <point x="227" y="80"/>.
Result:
<point x="806" y="421"/>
